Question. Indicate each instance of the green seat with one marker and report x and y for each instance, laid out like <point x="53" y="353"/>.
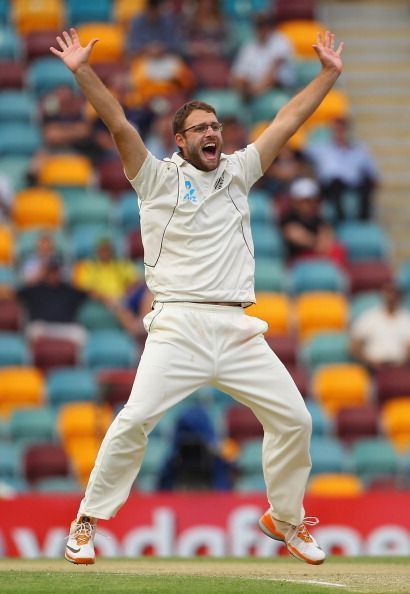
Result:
<point x="58" y="484"/>
<point x="70" y="384"/>
<point x="270" y="275"/>
<point x="11" y="460"/>
<point x="13" y="350"/>
<point x="93" y="207"/>
<point x="324" y="348"/>
<point x="15" y="168"/>
<point x="261" y="206"/>
<point x="46" y="74"/>
<point x="226" y="102"/>
<point x="305" y="71"/>
<point x="33" y="425"/>
<point x="317" y="275"/>
<point x="17" y="106"/>
<point x="373" y="459"/>
<point x="265" y="107"/>
<point x="267" y="240"/>
<point x="96" y="316"/>
<point x="328" y="454"/>
<point x="321" y="424"/>
<point x="128" y="212"/>
<point x="364" y="241"/>
<point x="19" y="138"/>
<point x="155" y="455"/>
<point x="110" y="349"/>
<point x="250" y="459"/>
<point x="85" y="238"/>
<point x="26" y="242"/>
<point x="362" y="302"/>
<point x="10" y="44"/>
<point x="7" y="277"/>
<point x="250" y="483"/>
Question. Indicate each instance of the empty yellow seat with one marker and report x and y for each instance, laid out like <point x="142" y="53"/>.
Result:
<point x="395" y="417"/>
<point x="341" y="385"/>
<point x="302" y="33"/>
<point x="78" y="420"/>
<point x="112" y="40"/>
<point x="318" y="311"/>
<point x="66" y="170"/>
<point x="20" y="387"/>
<point x="37" y="15"/>
<point x="275" y="309"/>
<point x="125" y="10"/>
<point x="6" y="245"/>
<point x="82" y="452"/>
<point x="335" y="105"/>
<point x="335" y="485"/>
<point x="37" y="207"/>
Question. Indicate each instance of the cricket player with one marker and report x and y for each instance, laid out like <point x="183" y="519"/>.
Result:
<point x="199" y="264"/>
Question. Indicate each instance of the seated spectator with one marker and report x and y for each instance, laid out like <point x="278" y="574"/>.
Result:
<point x="264" y="62"/>
<point x="131" y="312"/>
<point x="161" y="141"/>
<point x="234" y="135"/>
<point x="205" y="31"/>
<point x="289" y="165"/>
<point x="342" y="163"/>
<point x="107" y="278"/>
<point x="305" y="231"/>
<point x="380" y="336"/>
<point x="152" y="26"/>
<point x="34" y="269"/>
<point x="51" y="305"/>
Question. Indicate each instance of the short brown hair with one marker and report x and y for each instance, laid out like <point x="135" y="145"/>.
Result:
<point x="183" y="112"/>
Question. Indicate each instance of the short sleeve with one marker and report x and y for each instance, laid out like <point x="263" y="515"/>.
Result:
<point x="248" y="162"/>
<point x="146" y="180"/>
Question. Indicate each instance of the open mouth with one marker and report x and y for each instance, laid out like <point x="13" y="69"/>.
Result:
<point x="209" y="150"/>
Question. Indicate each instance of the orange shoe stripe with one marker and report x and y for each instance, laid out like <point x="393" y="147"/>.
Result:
<point x="271" y="526"/>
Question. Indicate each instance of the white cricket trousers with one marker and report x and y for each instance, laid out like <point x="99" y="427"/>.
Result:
<point x="189" y="345"/>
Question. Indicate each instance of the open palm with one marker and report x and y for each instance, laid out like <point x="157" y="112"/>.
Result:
<point x="328" y="55"/>
<point x="72" y="53"/>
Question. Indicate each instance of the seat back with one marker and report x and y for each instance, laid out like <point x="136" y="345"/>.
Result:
<point x="340" y="385"/>
<point x="319" y="311"/>
<point x="273" y="308"/>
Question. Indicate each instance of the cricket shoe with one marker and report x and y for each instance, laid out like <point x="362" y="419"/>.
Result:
<point x="80" y="543"/>
<point x="299" y="541"/>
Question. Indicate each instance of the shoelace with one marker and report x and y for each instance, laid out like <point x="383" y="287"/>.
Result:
<point x="303" y="532"/>
<point x="83" y="532"/>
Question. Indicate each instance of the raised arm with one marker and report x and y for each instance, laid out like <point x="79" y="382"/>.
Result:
<point x="302" y="105"/>
<point x="127" y="140"/>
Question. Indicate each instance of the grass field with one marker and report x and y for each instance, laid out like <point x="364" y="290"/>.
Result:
<point x="379" y="575"/>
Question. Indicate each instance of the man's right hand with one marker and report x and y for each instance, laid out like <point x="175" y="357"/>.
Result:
<point x="72" y="53"/>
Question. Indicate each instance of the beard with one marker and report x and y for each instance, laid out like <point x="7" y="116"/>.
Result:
<point x="203" y="160"/>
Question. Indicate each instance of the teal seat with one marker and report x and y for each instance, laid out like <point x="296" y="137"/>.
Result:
<point x="16" y="168"/>
<point x="265" y="107"/>
<point x="26" y="243"/>
<point x="364" y="241"/>
<point x="404" y="276"/>
<point x="4" y="11"/>
<point x="319" y="134"/>
<point x="11" y="461"/>
<point x="239" y="9"/>
<point x="94" y="315"/>
<point x="79" y="12"/>
<point x="70" y="384"/>
<point x="226" y="102"/>
<point x="362" y="302"/>
<point x="85" y="238"/>
<point x="17" y="106"/>
<point x="94" y="207"/>
<point x="261" y="206"/>
<point x="321" y="424"/>
<point x="7" y="277"/>
<point x="10" y="44"/>
<point x="270" y="275"/>
<point x="267" y="240"/>
<point x="250" y="458"/>
<point x="110" y="349"/>
<point x="18" y="138"/>
<point x="254" y="483"/>
<point x="155" y="455"/>
<point x="58" y="484"/>
<point x="324" y="348"/>
<point x="374" y="459"/>
<point x="13" y="350"/>
<point x="128" y="212"/>
<point x="33" y="425"/>
<point x="305" y="71"/>
<point x="45" y="74"/>
<point x="316" y="275"/>
<point x="328" y="454"/>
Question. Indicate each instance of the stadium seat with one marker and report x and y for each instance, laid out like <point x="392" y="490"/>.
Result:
<point x="15" y="167"/>
<point x="110" y="348"/>
<point x="41" y="15"/>
<point x="243" y="10"/>
<point x="362" y="302"/>
<point x="364" y="241"/>
<point x="10" y="44"/>
<point x="261" y="206"/>
<point x="20" y="387"/>
<point x="13" y="350"/>
<point x="6" y="245"/>
<point x="284" y="346"/>
<point x="12" y="75"/>
<point x="33" y="425"/>
<point x="339" y="385"/>
<point x="10" y="461"/>
<point x="250" y="484"/>
<point x="46" y="74"/>
<point x="368" y="275"/>
<point x="115" y="386"/>
<point x="335" y="485"/>
<point x="305" y="71"/>
<point x="250" y="457"/>
<point x="70" y="385"/>
<point x="404" y="276"/>
<point x="37" y="207"/>
<point x="270" y="276"/>
<point x="300" y="376"/>
<point x="211" y="72"/>
<point x="26" y="243"/>
<point x="112" y="177"/>
<point x="79" y="12"/>
<point x="335" y="105"/>
<point x="17" y="106"/>
<point x="112" y="48"/>
<point x="8" y="279"/>
<point x="356" y="422"/>
<point x="59" y="484"/>
<point x="321" y="424"/>
<point x="37" y="44"/>
<point x="135" y="247"/>
<point x="226" y="102"/>
<point x="82" y="453"/>
<point x="19" y="139"/>
<point x="85" y="238"/>
<point x="155" y="455"/>
<point x="395" y="419"/>
<point x="391" y="382"/>
<point x="302" y="34"/>
<point x="125" y="10"/>
<point x="273" y="308"/>
<point x="328" y="454"/>
<point x="50" y="353"/>
<point x="94" y="315"/>
<point x="321" y="312"/>
<point x="316" y="275"/>
<point x="241" y="424"/>
<point x="66" y="170"/>
<point x="265" y="107"/>
<point x="324" y="348"/>
<point x="267" y="240"/>
<point x="44" y="460"/>
<point x="11" y="314"/>
<point x="91" y="207"/>
<point x="127" y="211"/>
<point x="375" y="461"/>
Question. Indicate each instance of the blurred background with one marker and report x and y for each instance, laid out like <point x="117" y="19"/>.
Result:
<point x="330" y="221"/>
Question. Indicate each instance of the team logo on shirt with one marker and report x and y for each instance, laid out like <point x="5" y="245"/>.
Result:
<point x="190" y="193"/>
<point x="219" y="182"/>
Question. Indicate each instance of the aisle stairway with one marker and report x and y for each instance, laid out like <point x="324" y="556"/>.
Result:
<point x="377" y="80"/>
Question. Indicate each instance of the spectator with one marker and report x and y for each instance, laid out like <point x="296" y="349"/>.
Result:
<point x="235" y="135"/>
<point x="154" y="26"/>
<point x="342" y="163"/>
<point x="205" y="30"/>
<point x="34" y="269"/>
<point x="289" y="165"/>
<point x="381" y="335"/>
<point x="107" y="277"/>
<point x="161" y="141"/>
<point x="51" y="305"/>
<point x="264" y="62"/>
<point x="306" y="233"/>
<point x="131" y="312"/>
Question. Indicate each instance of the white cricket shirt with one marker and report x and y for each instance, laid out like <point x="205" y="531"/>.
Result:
<point x="195" y="227"/>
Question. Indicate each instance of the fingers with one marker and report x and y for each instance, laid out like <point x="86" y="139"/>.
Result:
<point x="74" y="34"/>
<point x="340" y="48"/>
<point x="56" y="52"/>
<point x="67" y="38"/>
<point x="61" y="43"/>
<point x="91" y="44"/>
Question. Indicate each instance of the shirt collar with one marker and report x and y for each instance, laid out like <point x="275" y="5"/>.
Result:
<point x="181" y="162"/>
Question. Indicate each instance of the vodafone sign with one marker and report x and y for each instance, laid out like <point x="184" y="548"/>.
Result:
<point x="189" y="524"/>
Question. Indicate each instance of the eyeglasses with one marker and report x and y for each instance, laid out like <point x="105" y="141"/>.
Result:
<point x="202" y="128"/>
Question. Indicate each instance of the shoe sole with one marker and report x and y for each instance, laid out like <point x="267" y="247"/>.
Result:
<point x="79" y="560"/>
<point x="294" y="552"/>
